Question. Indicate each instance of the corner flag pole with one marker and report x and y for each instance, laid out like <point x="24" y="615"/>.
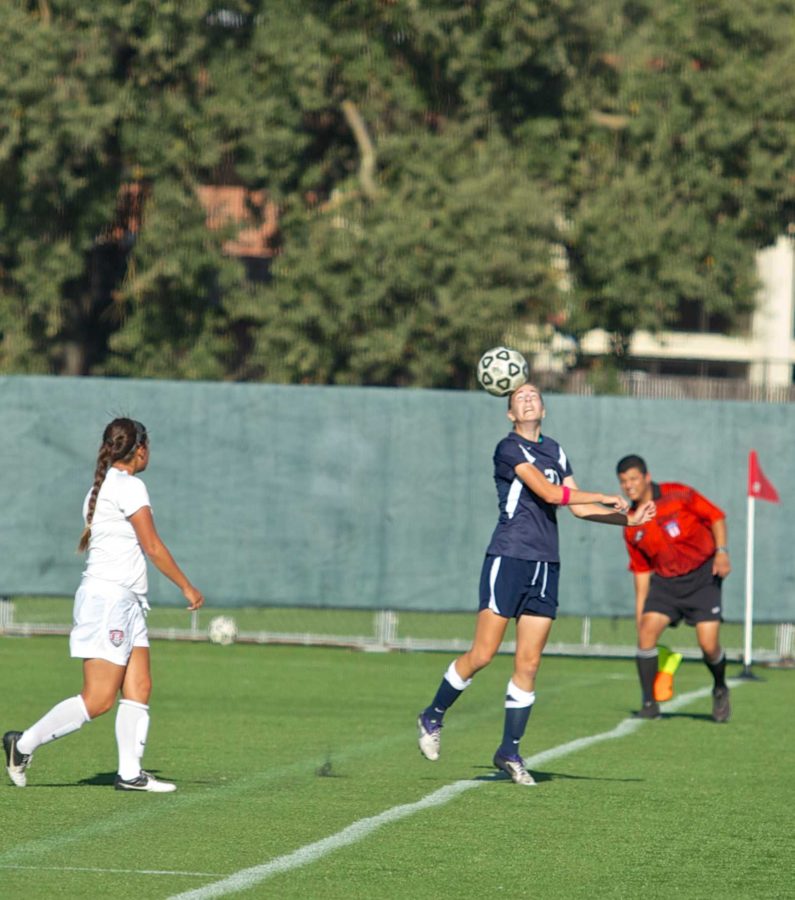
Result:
<point x="758" y="486"/>
<point x="749" y="589"/>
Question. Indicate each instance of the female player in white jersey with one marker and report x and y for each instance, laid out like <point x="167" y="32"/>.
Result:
<point x="109" y="632"/>
<point x="519" y="578"/>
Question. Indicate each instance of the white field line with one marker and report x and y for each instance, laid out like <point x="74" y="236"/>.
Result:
<point x="116" y="871"/>
<point x="247" y="878"/>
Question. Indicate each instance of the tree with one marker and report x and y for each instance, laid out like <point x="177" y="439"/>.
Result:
<point x="416" y="235"/>
<point x="429" y="159"/>
<point x="111" y="103"/>
<point x="59" y="163"/>
<point x="410" y="289"/>
<point x="681" y="173"/>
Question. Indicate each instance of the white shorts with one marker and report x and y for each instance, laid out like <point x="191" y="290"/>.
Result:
<point x="108" y="622"/>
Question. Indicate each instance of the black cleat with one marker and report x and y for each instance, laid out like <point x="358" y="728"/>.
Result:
<point x="649" y="710"/>
<point x="721" y="708"/>
<point x="16" y="762"/>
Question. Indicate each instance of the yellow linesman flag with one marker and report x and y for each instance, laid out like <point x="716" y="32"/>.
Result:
<point x="667" y="664"/>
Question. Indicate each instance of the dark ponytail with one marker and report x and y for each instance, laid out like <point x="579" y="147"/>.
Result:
<point x="121" y="438"/>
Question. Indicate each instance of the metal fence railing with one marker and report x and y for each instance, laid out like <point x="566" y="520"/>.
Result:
<point x="387" y="630"/>
<point x="680" y="387"/>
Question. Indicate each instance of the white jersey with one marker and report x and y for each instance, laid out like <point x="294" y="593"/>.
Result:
<point x="114" y="553"/>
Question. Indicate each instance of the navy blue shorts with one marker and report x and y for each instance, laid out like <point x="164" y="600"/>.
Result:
<point x="519" y="587"/>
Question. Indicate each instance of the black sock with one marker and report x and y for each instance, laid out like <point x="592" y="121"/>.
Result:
<point x="718" y="670"/>
<point x="647" y="671"/>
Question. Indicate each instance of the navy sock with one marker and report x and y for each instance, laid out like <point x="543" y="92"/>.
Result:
<point x="518" y="706"/>
<point x="444" y="699"/>
<point x="450" y="689"/>
<point x="513" y="730"/>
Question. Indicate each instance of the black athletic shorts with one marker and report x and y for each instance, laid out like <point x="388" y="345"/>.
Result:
<point x="694" y="597"/>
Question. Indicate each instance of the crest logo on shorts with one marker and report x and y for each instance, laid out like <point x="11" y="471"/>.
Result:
<point x="638" y="536"/>
<point x="116" y="636"/>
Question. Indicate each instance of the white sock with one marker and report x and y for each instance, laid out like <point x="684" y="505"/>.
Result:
<point x="62" y="719"/>
<point x="132" y="726"/>
<point x="516" y="698"/>
<point x="455" y="679"/>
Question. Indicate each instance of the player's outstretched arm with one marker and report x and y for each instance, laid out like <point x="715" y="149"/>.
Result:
<point x="153" y="547"/>
<point x="566" y="494"/>
<point x="621" y="515"/>
<point x="644" y="513"/>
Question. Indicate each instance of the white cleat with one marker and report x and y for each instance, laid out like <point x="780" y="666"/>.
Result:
<point x="429" y="738"/>
<point x="144" y="782"/>
<point x="16" y="762"/>
<point x="514" y="766"/>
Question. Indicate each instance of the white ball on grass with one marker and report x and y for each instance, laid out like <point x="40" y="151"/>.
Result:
<point x="222" y="630"/>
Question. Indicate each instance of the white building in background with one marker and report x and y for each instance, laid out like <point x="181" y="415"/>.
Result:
<point x="764" y="356"/>
<point x="773" y="328"/>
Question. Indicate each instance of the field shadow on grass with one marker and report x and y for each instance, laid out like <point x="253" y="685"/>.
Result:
<point x="706" y="717"/>
<point x="540" y="776"/>
<point x="106" y="779"/>
<point x="555" y="776"/>
<point x="101" y="779"/>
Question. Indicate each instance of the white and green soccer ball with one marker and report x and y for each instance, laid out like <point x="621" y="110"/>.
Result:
<point x="502" y="370"/>
<point x="222" y="630"/>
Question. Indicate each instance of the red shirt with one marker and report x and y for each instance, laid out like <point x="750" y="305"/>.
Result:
<point x="679" y="539"/>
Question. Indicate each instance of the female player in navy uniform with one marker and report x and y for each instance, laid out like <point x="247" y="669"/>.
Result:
<point x="109" y="632"/>
<point x="519" y="578"/>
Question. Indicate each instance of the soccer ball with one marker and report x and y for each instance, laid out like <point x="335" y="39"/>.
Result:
<point x="222" y="630"/>
<point x="502" y="370"/>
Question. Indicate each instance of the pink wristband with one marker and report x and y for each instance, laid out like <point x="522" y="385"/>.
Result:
<point x="566" y="494"/>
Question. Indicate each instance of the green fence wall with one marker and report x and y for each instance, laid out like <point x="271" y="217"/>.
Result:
<point x="367" y="497"/>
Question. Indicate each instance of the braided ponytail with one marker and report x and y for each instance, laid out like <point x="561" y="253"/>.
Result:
<point x="120" y="440"/>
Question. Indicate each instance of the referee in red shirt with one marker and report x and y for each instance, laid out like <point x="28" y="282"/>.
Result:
<point x="679" y="560"/>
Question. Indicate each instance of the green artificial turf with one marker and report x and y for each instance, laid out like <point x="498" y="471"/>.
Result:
<point x="274" y="748"/>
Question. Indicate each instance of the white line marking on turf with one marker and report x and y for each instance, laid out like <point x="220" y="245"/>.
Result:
<point x="247" y="878"/>
<point x="116" y="871"/>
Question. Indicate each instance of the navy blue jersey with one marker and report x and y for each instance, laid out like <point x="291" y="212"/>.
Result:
<point x="527" y="527"/>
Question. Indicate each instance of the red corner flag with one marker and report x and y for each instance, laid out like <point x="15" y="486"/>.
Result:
<point x="758" y="485"/>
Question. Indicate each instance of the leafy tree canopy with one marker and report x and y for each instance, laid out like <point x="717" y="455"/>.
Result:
<point x="432" y="164"/>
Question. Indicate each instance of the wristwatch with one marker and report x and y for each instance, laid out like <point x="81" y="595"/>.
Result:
<point x="721" y="549"/>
